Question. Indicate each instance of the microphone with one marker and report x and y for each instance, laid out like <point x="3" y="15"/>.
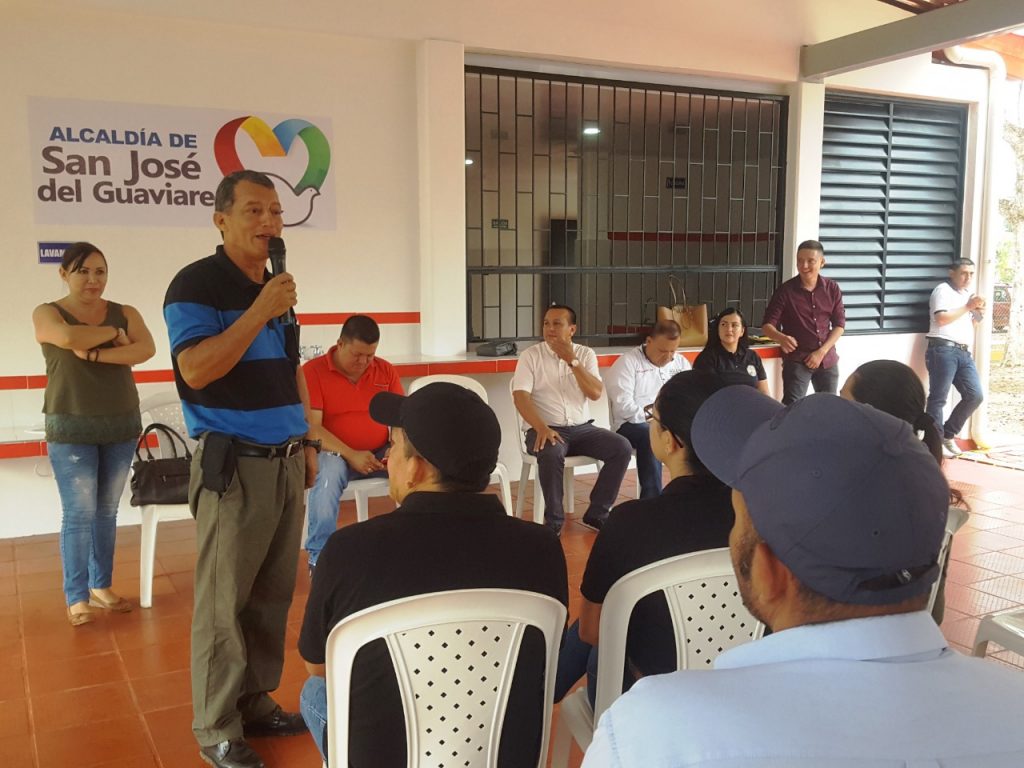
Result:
<point x="276" y="251"/>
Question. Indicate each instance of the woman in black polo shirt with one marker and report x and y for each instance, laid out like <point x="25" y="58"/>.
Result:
<point x="728" y="350"/>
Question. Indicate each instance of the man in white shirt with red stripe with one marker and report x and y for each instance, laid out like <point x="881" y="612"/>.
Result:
<point x="953" y="312"/>
<point x="553" y="381"/>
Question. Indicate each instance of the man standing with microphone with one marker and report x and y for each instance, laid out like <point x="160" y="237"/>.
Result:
<point x="953" y="311"/>
<point x="235" y="355"/>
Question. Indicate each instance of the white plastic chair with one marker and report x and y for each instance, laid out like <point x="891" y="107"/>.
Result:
<point x="1005" y="628"/>
<point x="529" y="460"/>
<point x="361" y="491"/>
<point x="163" y="408"/>
<point x="436" y="640"/>
<point x="708" y="616"/>
<point x="633" y="460"/>
<point x="500" y="475"/>
<point x="955" y="519"/>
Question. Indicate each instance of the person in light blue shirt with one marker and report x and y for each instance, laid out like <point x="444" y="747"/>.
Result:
<point x="835" y="547"/>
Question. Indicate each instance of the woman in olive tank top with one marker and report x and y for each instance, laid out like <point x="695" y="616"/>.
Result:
<point x="92" y="421"/>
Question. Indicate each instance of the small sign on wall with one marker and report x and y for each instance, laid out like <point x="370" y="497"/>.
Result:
<point x="51" y="253"/>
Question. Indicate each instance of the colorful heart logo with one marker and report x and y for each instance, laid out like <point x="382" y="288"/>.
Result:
<point x="275" y="142"/>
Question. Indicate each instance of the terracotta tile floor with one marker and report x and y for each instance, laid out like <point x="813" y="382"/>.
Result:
<point x="115" y="694"/>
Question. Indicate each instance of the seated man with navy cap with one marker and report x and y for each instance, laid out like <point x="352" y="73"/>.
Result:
<point x="444" y="535"/>
<point x="840" y="515"/>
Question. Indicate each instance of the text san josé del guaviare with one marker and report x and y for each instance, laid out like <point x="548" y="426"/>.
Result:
<point x="158" y="169"/>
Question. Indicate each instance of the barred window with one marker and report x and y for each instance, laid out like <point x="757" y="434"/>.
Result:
<point x="592" y="193"/>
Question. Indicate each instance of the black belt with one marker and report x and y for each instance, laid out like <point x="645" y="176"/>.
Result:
<point x="934" y="341"/>
<point x="283" y="451"/>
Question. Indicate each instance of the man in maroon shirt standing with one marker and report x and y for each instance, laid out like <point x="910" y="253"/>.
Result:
<point x="806" y="317"/>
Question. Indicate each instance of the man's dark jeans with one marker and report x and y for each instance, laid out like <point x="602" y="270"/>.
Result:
<point x="796" y="376"/>
<point x="613" y="450"/>
<point x="951" y="366"/>
<point x="648" y="468"/>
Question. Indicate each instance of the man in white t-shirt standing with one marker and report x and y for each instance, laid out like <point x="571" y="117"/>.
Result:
<point x="550" y="388"/>
<point x="634" y="381"/>
<point x="953" y="312"/>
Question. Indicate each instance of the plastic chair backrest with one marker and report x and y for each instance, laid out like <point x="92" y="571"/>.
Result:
<point x="520" y="423"/>
<point x="438" y="643"/>
<point x="955" y="519"/>
<point x="707" y="612"/>
<point x="165" y="408"/>
<point x="463" y="381"/>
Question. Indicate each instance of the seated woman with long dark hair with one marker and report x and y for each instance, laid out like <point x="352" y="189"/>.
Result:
<point x="894" y="388"/>
<point x="728" y="351"/>
<point x="693" y="513"/>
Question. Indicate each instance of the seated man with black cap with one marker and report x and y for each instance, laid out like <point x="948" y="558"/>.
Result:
<point x="835" y="547"/>
<point x="444" y="535"/>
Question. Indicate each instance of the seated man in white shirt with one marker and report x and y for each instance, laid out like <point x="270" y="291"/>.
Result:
<point x="634" y="381"/>
<point x="840" y="515"/>
<point x="551" y="386"/>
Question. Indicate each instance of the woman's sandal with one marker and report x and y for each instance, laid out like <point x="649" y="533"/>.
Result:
<point x="117" y="606"/>
<point x="78" y="619"/>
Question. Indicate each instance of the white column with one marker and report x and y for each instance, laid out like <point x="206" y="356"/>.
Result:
<point x="803" y="176"/>
<point x="441" y="129"/>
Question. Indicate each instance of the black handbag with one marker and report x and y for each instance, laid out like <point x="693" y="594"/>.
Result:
<point x="163" y="480"/>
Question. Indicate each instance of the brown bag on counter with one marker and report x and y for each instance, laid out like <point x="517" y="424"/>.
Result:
<point x="692" y="319"/>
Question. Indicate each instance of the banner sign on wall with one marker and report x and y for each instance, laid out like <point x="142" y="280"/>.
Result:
<point x="146" y="166"/>
<point x="52" y="253"/>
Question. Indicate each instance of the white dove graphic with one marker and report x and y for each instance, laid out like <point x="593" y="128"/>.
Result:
<point x="297" y="208"/>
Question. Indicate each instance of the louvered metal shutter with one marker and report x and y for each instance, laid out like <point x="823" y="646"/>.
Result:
<point x="891" y="206"/>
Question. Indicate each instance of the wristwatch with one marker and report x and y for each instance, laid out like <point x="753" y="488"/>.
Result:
<point x="575" y="363"/>
<point x="314" y="444"/>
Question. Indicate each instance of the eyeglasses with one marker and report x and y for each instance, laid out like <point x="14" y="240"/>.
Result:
<point x="649" y="416"/>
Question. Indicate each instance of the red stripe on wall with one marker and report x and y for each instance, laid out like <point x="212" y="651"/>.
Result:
<point x="13" y="382"/>
<point x="693" y="237"/>
<point x="22" y="450"/>
<point x="506" y="365"/>
<point x="151" y="377"/>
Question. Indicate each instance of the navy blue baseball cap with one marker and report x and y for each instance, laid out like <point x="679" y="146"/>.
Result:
<point x="845" y="495"/>
<point x="448" y="425"/>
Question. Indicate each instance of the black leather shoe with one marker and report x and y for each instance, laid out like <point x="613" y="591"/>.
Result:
<point x="231" y="754"/>
<point x="277" y="723"/>
<point x="593" y="522"/>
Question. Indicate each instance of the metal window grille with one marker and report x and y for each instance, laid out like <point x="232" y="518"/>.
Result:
<point x="891" y="206"/>
<point x="592" y="193"/>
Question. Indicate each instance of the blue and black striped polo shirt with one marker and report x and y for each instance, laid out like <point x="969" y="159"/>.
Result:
<point x="257" y="400"/>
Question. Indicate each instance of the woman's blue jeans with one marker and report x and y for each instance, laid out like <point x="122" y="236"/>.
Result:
<point x="90" y="480"/>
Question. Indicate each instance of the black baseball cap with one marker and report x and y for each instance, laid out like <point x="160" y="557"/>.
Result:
<point x="449" y="425"/>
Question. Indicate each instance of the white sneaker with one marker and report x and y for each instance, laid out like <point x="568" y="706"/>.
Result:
<point x="950" y="449"/>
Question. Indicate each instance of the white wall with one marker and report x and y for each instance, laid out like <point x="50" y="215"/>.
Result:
<point x="366" y="87"/>
<point x="358" y="64"/>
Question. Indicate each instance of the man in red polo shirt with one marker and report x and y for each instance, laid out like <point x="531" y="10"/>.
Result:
<point x="341" y="385"/>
